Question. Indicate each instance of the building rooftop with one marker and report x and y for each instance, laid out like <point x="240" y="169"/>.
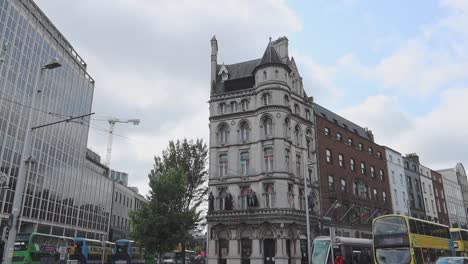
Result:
<point x="343" y="122"/>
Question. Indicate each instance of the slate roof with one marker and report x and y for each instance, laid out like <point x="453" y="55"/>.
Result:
<point x="341" y="121"/>
<point x="242" y="69"/>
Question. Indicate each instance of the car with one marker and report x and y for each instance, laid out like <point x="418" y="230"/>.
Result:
<point x="452" y="260"/>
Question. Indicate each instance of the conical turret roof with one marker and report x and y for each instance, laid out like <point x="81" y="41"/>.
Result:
<point x="271" y="57"/>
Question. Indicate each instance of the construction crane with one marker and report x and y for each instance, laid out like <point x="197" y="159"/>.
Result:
<point x="112" y="123"/>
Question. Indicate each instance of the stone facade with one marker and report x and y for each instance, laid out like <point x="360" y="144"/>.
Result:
<point x="262" y="147"/>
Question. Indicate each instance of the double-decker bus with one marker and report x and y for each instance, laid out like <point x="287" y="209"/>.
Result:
<point x="353" y="250"/>
<point x="460" y="241"/>
<point x="90" y="251"/>
<point x="127" y="252"/>
<point x="399" y="239"/>
<point x="41" y="248"/>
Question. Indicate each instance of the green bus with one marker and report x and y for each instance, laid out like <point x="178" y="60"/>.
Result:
<point x="41" y="248"/>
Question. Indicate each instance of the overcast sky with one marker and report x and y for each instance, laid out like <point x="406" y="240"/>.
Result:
<point x="397" y="67"/>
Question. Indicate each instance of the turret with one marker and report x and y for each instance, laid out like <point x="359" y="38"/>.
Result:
<point x="214" y="61"/>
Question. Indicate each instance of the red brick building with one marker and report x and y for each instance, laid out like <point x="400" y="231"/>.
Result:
<point x="439" y="194"/>
<point x="354" y="184"/>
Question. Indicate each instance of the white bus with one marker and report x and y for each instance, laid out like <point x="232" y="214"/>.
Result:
<point x="353" y="250"/>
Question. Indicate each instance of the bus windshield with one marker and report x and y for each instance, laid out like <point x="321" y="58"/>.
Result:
<point x="455" y="235"/>
<point x="122" y="248"/>
<point x="393" y="256"/>
<point x="320" y="251"/>
<point x="390" y="225"/>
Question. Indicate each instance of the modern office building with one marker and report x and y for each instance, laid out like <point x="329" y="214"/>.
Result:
<point x="413" y="185"/>
<point x="120" y="177"/>
<point x="262" y="148"/>
<point x="125" y="200"/>
<point x="455" y="186"/>
<point x="63" y="195"/>
<point x="397" y="181"/>
<point x="354" y="183"/>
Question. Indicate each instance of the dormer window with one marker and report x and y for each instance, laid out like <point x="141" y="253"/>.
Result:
<point x="224" y="73"/>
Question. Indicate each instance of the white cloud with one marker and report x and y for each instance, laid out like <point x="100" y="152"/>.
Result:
<point x="382" y="115"/>
<point x="439" y="137"/>
<point x="151" y="60"/>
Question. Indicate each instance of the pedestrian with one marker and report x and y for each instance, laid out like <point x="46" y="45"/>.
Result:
<point x="339" y="259"/>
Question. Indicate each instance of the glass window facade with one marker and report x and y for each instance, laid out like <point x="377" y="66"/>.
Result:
<point x="62" y="189"/>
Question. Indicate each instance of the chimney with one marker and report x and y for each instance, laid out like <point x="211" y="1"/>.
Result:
<point x="281" y="46"/>
<point x="214" y="62"/>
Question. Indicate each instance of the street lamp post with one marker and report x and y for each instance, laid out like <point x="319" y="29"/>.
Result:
<point x="27" y="159"/>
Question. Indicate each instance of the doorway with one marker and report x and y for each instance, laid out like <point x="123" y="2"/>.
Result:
<point x="269" y="251"/>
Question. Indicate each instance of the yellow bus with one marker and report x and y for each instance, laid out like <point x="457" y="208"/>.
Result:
<point x="407" y="240"/>
<point x="460" y="241"/>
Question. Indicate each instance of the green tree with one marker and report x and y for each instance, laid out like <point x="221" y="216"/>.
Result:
<point x="178" y="188"/>
<point x="162" y="223"/>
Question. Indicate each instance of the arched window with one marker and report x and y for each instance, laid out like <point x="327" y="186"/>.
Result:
<point x="287" y="158"/>
<point x="298" y="166"/>
<point x="307" y="113"/>
<point x="243" y="197"/>
<point x="297" y="110"/>
<point x="286" y="101"/>
<point x="286" y="127"/>
<point x="222" y="108"/>
<point x="244" y="131"/>
<point x="264" y="75"/>
<point x="277" y="74"/>
<point x="245" y="105"/>
<point x="267" y="126"/>
<point x="233" y="106"/>
<point x="266" y="99"/>
<point x="309" y="143"/>
<point x="225" y="200"/>
<point x="297" y="135"/>
<point x="350" y="141"/>
<point x="223" y="134"/>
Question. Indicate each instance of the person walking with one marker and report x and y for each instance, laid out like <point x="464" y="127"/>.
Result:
<point x="339" y="259"/>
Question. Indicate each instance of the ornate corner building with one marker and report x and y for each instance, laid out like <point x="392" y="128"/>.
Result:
<point x="262" y="148"/>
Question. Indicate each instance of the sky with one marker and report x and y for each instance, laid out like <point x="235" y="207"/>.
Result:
<point x="398" y="67"/>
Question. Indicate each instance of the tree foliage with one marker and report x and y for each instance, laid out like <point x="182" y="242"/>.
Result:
<point x="177" y="189"/>
<point x="190" y="157"/>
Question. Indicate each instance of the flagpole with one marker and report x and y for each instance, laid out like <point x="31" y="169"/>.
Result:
<point x="346" y="213"/>
<point x="331" y="208"/>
